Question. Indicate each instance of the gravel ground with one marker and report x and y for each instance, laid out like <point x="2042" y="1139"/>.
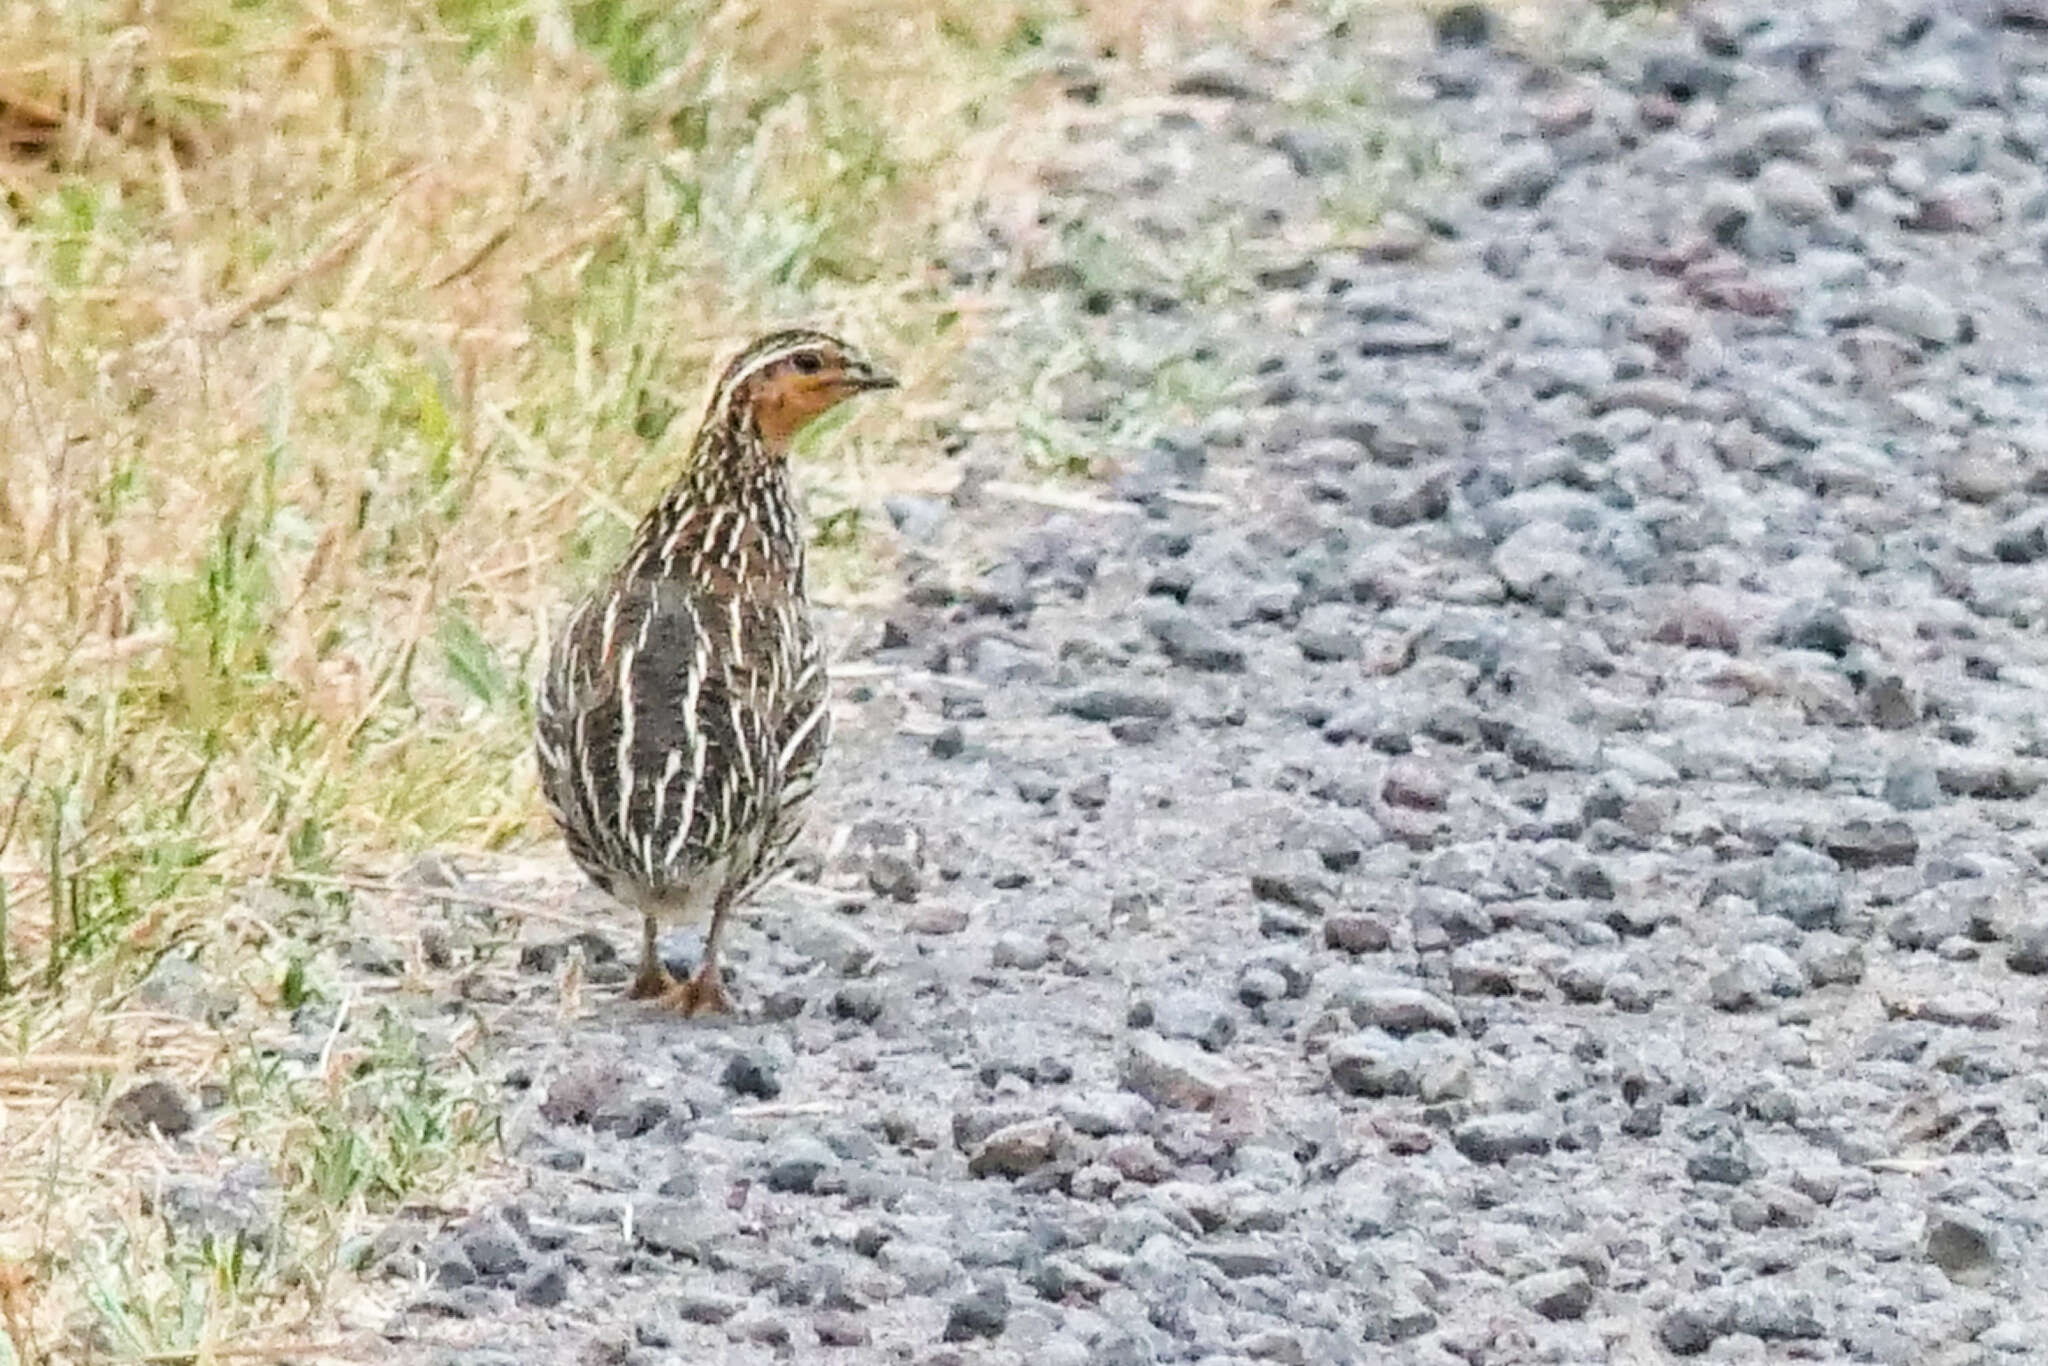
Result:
<point x="1517" y="841"/>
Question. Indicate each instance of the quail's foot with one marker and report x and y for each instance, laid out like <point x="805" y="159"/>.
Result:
<point x="651" y="983"/>
<point x="703" y="993"/>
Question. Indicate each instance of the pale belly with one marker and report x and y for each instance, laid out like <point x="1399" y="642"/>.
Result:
<point x="692" y="902"/>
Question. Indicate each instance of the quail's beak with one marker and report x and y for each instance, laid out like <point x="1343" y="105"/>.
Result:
<point x="863" y="376"/>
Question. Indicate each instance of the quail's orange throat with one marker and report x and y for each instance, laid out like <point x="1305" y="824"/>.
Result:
<point x="787" y="403"/>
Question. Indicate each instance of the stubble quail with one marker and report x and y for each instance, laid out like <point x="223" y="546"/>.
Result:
<point x="682" y="716"/>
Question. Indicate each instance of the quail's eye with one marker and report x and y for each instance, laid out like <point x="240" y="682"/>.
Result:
<point x="806" y="362"/>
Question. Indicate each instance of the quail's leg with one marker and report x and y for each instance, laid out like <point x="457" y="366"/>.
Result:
<point x="704" y="993"/>
<point x="653" y="979"/>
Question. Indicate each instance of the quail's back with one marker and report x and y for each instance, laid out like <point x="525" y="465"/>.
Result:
<point x="683" y="714"/>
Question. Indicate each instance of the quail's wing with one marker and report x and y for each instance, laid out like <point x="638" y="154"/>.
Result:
<point x="648" y="747"/>
<point x="804" y="716"/>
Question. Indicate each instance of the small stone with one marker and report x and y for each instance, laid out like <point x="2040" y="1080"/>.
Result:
<point x="895" y="875"/>
<point x="1258" y="986"/>
<point x="1401" y="1010"/>
<point x="545" y="1287"/>
<point x="838" y="1328"/>
<point x="1111" y="704"/>
<point x="1297" y="882"/>
<point x="1816" y="626"/>
<point x="1138" y="730"/>
<point x="1023" y="952"/>
<point x="584" y="1090"/>
<point x="1328" y="647"/>
<point x="1759" y="973"/>
<point x="922" y="1267"/>
<point x="1466" y="24"/>
<point x="155" y="1106"/>
<point x="1357" y="933"/>
<point x="179" y="986"/>
<point x="1919" y="314"/>
<point x="1860" y="844"/>
<point x="1831" y="960"/>
<point x="2024" y="540"/>
<point x="826" y="938"/>
<point x="753" y="1073"/>
<point x="1691" y="1326"/>
<point x="1963" y="1247"/>
<point x="938" y="920"/>
<point x="704" y="1304"/>
<point x="1175" y="1075"/>
<point x="1399" y="339"/>
<point x="449" y="1268"/>
<point x="1497" y="1138"/>
<point x="1794" y="193"/>
<point x="1018" y="1149"/>
<point x="1415" y="785"/>
<point x="2028" y="950"/>
<point x="796" y="1160"/>
<point x="1374" y="1064"/>
<point x="982" y="1314"/>
<point x="1803" y="885"/>
<point x="1967" y="1009"/>
<point x="1195" y="1016"/>
<point x="1912" y="785"/>
<point x="1520" y="179"/>
<point x="1726" y="209"/>
<point x="1775" y="1315"/>
<point x="1090" y="794"/>
<point x="1698" y="626"/>
<point x="863" y="1002"/>
<point x="1557" y="1295"/>
<point x="1722" y="1158"/>
<point x="1238" y="1260"/>
<point x="1195" y="645"/>
<point x="1101" y="1113"/>
<point x="494" y="1250"/>
<point x="668" y="1226"/>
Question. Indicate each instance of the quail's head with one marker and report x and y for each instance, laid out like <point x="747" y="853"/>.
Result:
<point x="789" y="379"/>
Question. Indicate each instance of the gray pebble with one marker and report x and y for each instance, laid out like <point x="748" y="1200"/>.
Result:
<point x="1500" y="1137"/>
<point x="1561" y="1295"/>
<point x="796" y="1160"/>
<point x="982" y="1314"/>
<point x="156" y="1106"/>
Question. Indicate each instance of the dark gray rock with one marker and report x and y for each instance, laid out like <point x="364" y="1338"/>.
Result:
<point x="796" y="1160"/>
<point x="1722" y="1158"/>
<point x="1693" y="1325"/>
<point x="982" y="1314"/>
<point x="1396" y="1009"/>
<point x="1520" y="178"/>
<point x="156" y="1106"/>
<point x="1375" y="1064"/>
<point x="1963" y="1246"/>
<point x="1502" y="1137"/>
<point x="1562" y="1295"/>
<point x="1194" y="1015"/>
<point x="1802" y="885"/>
<point x="2028" y="950"/>
<point x="753" y="1073"/>
<point x="545" y="1287"/>
<point x="1112" y="704"/>
<point x="1194" y="644"/>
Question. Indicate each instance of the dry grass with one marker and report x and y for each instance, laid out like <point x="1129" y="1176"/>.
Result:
<point x="337" y="345"/>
